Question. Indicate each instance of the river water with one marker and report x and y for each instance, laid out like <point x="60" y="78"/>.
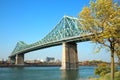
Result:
<point x="46" y="73"/>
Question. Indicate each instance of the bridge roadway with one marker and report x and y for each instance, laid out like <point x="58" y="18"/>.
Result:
<point x="55" y="43"/>
<point x="68" y="34"/>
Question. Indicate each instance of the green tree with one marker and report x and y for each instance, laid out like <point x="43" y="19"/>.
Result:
<point x="102" y="19"/>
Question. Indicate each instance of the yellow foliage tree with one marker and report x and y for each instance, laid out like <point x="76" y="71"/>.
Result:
<point x="102" y="19"/>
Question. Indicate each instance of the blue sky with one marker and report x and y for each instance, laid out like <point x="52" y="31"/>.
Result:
<point x="31" y="20"/>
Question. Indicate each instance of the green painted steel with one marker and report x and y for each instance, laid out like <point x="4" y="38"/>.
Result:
<point x="67" y="27"/>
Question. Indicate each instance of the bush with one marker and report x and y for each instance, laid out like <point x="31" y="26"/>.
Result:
<point x="102" y="69"/>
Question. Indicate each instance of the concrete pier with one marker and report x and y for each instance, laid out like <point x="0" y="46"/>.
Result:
<point x="11" y="60"/>
<point x="69" y="56"/>
<point x="19" y="59"/>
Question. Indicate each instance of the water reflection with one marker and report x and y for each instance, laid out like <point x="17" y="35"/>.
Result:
<point x="69" y="75"/>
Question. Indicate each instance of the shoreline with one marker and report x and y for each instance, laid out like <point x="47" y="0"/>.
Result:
<point x="31" y="65"/>
<point x="34" y="65"/>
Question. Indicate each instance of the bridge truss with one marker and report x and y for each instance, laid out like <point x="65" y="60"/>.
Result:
<point x="66" y="29"/>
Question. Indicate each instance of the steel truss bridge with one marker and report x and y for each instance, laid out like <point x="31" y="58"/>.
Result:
<point x="67" y="30"/>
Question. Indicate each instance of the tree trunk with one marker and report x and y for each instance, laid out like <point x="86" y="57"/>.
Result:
<point x="112" y="64"/>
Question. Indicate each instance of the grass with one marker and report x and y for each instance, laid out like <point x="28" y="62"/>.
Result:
<point x="107" y="77"/>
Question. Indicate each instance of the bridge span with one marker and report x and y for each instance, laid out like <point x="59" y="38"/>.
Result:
<point x="67" y="33"/>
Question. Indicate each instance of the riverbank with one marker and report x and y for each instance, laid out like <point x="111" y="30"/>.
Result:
<point x="30" y="65"/>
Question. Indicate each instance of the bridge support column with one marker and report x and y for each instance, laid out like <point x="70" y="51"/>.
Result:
<point x="69" y="56"/>
<point x="19" y="59"/>
<point x="12" y="60"/>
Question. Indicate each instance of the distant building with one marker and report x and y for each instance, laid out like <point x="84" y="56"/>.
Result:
<point x="50" y="59"/>
<point x="41" y="60"/>
<point x="85" y="63"/>
<point x="58" y="61"/>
